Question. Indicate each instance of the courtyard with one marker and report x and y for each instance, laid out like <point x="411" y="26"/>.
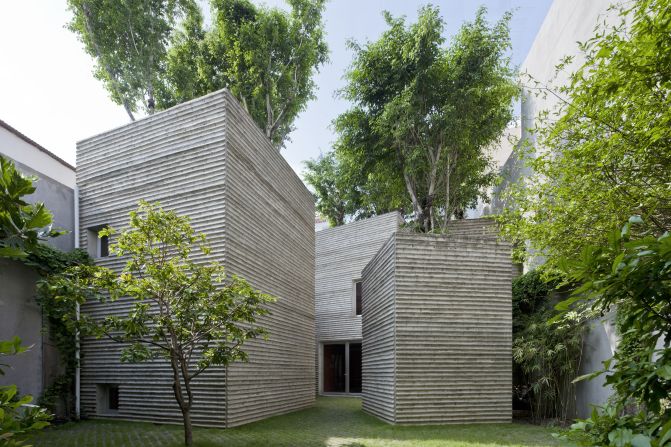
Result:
<point x="332" y="422"/>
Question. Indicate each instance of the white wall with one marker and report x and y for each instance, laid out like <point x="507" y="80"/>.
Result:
<point x="27" y="154"/>
<point x="54" y="187"/>
<point x="567" y="23"/>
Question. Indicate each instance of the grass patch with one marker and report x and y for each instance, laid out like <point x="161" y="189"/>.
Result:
<point x="332" y="422"/>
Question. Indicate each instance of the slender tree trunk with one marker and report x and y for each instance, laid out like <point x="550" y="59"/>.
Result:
<point x="151" y="104"/>
<point x="448" y="209"/>
<point x="416" y="207"/>
<point x="269" y="117"/>
<point x="184" y="406"/>
<point x="150" y="66"/>
<point x="108" y="69"/>
<point x="188" y="428"/>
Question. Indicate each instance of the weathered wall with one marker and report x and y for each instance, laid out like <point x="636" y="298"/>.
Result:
<point x="269" y="235"/>
<point x="185" y="158"/>
<point x="21" y="316"/>
<point x="379" y="333"/>
<point x="452" y="319"/>
<point x="60" y="200"/>
<point x="55" y="184"/>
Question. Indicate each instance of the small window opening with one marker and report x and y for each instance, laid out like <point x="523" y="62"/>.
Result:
<point x="104" y="247"/>
<point x="358" y="297"/>
<point x="113" y="397"/>
<point x="98" y="247"/>
<point x="108" y="398"/>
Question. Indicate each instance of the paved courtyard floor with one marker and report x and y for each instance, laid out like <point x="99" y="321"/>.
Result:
<point x="332" y="422"/>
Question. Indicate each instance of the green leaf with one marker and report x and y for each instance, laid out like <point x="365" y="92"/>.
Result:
<point x="665" y="434"/>
<point x="589" y="376"/>
<point x="664" y="372"/>
<point x="640" y="440"/>
<point x="12" y="252"/>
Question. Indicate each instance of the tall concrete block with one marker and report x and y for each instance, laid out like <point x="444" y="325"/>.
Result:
<point x="437" y="325"/>
<point x="208" y="160"/>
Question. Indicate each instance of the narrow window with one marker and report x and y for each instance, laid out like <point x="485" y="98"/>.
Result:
<point x="104" y="247"/>
<point x="113" y="397"/>
<point x="358" y="297"/>
<point x="98" y="247"/>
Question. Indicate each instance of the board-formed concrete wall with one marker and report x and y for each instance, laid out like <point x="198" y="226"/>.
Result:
<point x="206" y="159"/>
<point x="379" y="333"/>
<point x="341" y="254"/>
<point x="437" y="324"/>
<point x="269" y="230"/>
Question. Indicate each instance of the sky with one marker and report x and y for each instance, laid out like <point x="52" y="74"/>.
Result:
<point x="48" y="92"/>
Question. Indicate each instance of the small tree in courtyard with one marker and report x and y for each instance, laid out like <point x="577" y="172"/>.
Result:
<point x="186" y="312"/>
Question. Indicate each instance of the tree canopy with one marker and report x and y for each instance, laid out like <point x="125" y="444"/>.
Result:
<point x="129" y="42"/>
<point x="605" y="153"/>
<point x="189" y="313"/>
<point x="424" y="118"/>
<point x="597" y="208"/>
<point x="159" y="53"/>
<point x="22" y="225"/>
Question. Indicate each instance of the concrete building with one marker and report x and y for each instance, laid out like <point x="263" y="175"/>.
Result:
<point x="420" y="325"/>
<point x="437" y="327"/>
<point x="567" y="23"/>
<point x="341" y="254"/>
<point x="206" y="159"/>
<point x="20" y="314"/>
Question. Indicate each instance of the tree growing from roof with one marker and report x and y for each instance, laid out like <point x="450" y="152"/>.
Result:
<point x="158" y="53"/>
<point x="425" y="115"/>
<point x="186" y="312"/>
<point x="128" y="40"/>
<point x="22" y="225"/>
<point x="328" y="179"/>
<point x="265" y="56"/>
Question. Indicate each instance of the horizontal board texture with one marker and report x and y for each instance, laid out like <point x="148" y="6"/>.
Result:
<point x="341" y="254"/>
<point x="379" y="333"/>
<point x="208" y="160"/>
<point x="452" y="319"/>
<point x="270" y="240"/>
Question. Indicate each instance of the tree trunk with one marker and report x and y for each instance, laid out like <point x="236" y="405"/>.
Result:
<point x="188" y="429"/>
<point x="416" y="207"/>
<point x="184" y="406"/>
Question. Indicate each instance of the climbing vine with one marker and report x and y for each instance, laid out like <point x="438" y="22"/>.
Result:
<point x="48" y="261"/>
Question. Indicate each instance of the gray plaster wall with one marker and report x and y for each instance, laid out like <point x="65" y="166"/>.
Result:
<point x="60" y="200"/>
<point x="206" y="159"/>
<point x="21" y="316"/>
<point x="451" y="312"/>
